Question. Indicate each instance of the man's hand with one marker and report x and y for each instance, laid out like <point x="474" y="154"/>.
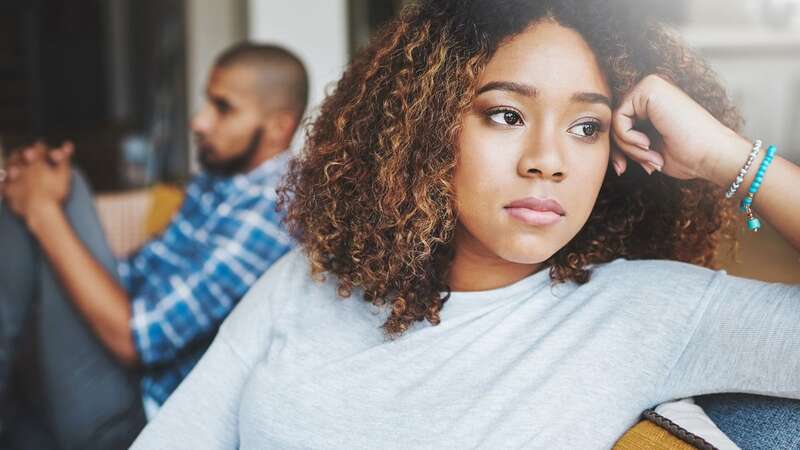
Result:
<point x="37" y="179"/>
<point x="38" y="182"/>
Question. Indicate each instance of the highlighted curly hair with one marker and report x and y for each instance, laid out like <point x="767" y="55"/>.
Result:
<point x="371" y="198"/>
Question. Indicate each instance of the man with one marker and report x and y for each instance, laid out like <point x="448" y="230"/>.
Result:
<point x="95" y="322"/>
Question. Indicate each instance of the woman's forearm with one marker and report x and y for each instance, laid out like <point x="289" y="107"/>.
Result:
<point x="778" y="200"/>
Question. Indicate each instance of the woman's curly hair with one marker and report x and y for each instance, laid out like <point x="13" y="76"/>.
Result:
<point x="371" y="198"/>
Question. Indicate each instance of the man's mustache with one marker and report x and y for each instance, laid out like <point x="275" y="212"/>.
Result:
<point x="202" y="144"/>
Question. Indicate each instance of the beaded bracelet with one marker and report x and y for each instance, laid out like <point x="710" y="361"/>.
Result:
<point x="740" y="178"/>
<point x="747" y="202"/>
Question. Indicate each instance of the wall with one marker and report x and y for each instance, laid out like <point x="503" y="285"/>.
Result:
<point x="316" y="30"/>
<point x="211" y="25"/>
<point x="760" y="66"/>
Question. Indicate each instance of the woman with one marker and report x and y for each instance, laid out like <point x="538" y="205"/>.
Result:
<point x="477" y="179"/>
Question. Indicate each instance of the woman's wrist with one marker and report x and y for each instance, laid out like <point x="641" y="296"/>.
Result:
<point x="727" y="160"/>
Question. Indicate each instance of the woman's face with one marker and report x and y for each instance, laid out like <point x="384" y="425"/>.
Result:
<point x="533" y="148"/>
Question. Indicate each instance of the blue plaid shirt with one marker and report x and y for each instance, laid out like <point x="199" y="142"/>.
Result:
<point x="184" y="283"/>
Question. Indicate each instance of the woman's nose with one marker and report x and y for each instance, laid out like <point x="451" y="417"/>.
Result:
<point x="543" y="158"/>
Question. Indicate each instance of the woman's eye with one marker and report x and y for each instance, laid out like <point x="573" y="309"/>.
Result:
<point x="505" y="117"/>
<point x="586" y="129"/>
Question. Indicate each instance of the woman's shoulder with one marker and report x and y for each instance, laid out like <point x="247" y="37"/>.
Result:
<point x="288" y="278"/>
<point x="291" y="268"/>
<point x="656" y="276"/>
<point x="288" y="300"/>
<point x="654" y="267"/>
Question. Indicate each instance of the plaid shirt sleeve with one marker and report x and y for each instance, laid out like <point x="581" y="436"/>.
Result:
<point x="199" y="287"/>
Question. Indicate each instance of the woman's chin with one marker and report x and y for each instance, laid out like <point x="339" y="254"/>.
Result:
<point x="528" y="258"/>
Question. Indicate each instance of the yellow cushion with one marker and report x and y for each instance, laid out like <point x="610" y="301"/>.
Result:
<point x="646" y="435"/>
<point x="165" y="202"/>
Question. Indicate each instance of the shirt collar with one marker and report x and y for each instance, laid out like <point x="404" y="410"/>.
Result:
<point x="266" y="169"/>
<point x="269" y="171"/>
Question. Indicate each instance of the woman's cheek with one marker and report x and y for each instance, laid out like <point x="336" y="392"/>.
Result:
<point x="584" y="194"/>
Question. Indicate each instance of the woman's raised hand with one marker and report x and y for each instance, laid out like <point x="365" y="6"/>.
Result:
<point x="688" y="142"/>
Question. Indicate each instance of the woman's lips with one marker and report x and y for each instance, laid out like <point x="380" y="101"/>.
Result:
<point x="531" y="217"/>
<point x="535" y="211"/>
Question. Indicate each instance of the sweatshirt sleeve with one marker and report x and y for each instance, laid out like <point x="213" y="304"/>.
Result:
<point x="203" y="413"/>
<point x="746" y="340"/>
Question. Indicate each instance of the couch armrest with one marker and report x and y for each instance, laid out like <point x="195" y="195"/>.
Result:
<point x="122" y="217"/>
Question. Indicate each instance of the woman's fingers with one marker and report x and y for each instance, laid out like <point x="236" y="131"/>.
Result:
<point x="635" y="137"/>
<point x="623" y="127"/>
<point x="618" y="161"/>
<point x="634" y="143"/>
<point x="648" y="159"/>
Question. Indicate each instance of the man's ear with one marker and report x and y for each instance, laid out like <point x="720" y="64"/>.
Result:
<point x="279" y="128"/>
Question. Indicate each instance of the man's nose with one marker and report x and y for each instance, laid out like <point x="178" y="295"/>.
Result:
<point x="202" y="121"/>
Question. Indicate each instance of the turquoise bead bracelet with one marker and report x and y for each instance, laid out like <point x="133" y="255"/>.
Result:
<point x="753" y="224"/>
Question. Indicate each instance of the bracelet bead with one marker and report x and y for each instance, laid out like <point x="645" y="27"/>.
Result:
<point x="746" y="205"/>
<point x="743" y="171"/>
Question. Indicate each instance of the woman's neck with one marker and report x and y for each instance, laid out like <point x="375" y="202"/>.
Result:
<point x="478" y="269"/>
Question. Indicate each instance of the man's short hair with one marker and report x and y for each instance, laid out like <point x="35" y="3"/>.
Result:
<point x="282" y="71"/>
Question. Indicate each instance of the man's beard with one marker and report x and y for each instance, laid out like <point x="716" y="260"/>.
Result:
<point x="234" y="165"/>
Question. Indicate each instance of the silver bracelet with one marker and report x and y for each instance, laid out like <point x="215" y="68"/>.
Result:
<point x="740" y="178"/>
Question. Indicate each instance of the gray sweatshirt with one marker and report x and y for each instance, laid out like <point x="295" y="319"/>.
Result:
<point x="528" y="365"/>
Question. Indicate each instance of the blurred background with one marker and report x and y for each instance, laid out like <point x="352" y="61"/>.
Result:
<point x="122" y="77"/>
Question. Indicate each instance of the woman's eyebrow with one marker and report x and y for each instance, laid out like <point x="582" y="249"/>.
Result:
<point x="519" y="88"/>
<point x="590" y="97"/>
<point x="531" y="91"/>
